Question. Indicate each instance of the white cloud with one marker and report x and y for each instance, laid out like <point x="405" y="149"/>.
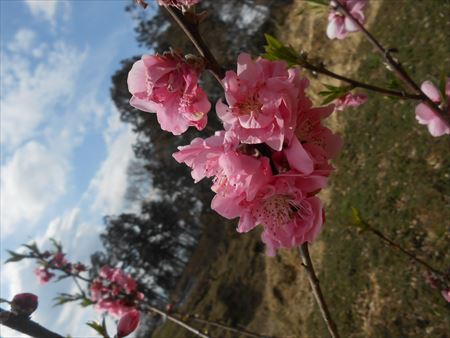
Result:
<point x="33" y="95"/>
<point x="31" y="181"/>
<point x="23" y="40"/>
<point x="110" y="183"/>
<point x="49" y="10"/>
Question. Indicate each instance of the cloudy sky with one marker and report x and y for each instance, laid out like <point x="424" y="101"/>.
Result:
<point x="64" y="152"/>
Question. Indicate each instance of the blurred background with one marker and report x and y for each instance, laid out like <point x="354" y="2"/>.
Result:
<point x="80" y="165"/>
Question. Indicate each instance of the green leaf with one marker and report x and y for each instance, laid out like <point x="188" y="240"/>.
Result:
<point x="100" y="328"/>
<point x="275" y="50"/>
<point x="32" y="247"/>
<point x="318" y="2"/>
<point x="15" y="257"/>
<point x="56" y="244"/>
<point x="2" y="300"/>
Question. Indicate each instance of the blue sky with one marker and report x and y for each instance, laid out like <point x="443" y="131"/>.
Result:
<point x="64" y="152"/>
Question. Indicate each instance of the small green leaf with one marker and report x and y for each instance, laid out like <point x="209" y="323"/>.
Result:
<point x="86" y="302"/>
<point x="56" y="244"/>
<point x="100" y="328"/>
<point x="357" y="219"/>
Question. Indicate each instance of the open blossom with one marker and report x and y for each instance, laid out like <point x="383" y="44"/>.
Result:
<point x="425" y="115"/>
<point x="178" y="3"/>
<point x="350" y="100"/>
<point x="115" y="292"/>
<point x="43" y="275"/>
<point x="128" y="323"/>
<point x="338" y="25"/>
<point x="233" y="171"/>
<point x="262" y="97"/>
<point x="288" y="215"/>
<point x="168" y="85"/>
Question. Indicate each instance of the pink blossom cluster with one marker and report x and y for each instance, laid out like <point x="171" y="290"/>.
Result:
<point x="168" y="86"/>
<point x="273" y="156"/>
<point x="177" y="3"/>
<point x="115" y="292"/>
<point x="55" y="261"/>
<point x="338" y="25"/>
<point x="425" y="115"/>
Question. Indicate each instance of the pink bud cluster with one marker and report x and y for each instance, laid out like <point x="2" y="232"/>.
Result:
<point x="115" y="292"/>
<point x="273" y="156"/>
<point x="425" y="115"/>
<point x="168" y="85"/>
<point x="55" y="261"/>
<point x="338" y="25"/>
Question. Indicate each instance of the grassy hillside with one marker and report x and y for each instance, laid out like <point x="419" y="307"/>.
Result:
<point x="390" y="168"/>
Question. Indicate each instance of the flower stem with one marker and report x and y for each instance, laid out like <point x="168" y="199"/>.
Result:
<point x="318" y="295"/>
<point x="26" y="325"/>
<point x="398" y="69"/>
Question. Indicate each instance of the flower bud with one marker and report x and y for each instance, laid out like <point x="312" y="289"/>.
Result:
<point x="24" y="304"/>
<point x="128" y="323"/>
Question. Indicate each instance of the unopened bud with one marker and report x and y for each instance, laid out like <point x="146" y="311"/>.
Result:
<point x="24" y="304"/>
<point x="128" y="323"/>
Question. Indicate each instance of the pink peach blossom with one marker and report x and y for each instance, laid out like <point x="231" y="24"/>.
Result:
<point x="233" y="172"/>
<point x="446" y="294"/>
<point x="43" y="275"/>
<point x="316" y="139"/>
<point x="350" y="100"/>
<point x="425" y="115"/>
<point x="338" y="25"/>
<point x="262" y="97"/>
<point x="288" y="215"/>
<point x="168" y="85"/>
<point x="115" y="292"/>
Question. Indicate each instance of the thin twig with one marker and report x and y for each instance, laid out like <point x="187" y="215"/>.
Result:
<point x="315" y="285"/>
<point x="229" y="328"/>
<point x="26" y="325"/>
<point x="398" y="69"/>
<point x="177" y="321"/>
<point x="356" y="84"/>
<point x="396" y="246"/>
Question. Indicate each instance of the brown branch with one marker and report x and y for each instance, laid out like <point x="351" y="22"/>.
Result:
<point x="397" y="68"/>
<point x="315" y="285"/>
<point x="190" y="28"/>
<point x="26" y="325"/>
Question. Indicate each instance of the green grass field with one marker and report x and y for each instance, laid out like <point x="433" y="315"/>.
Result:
<point x="396" y="174"/>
